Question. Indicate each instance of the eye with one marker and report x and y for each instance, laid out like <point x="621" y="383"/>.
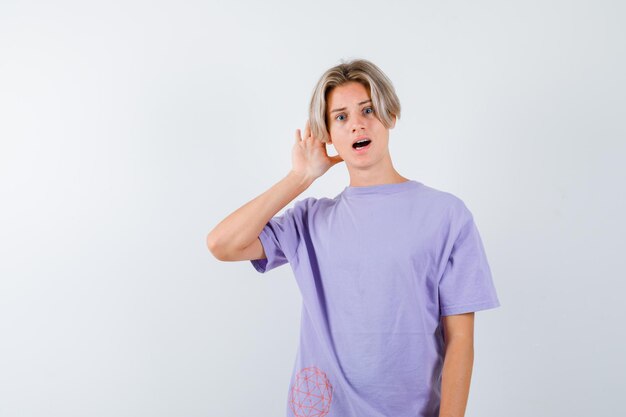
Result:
<point x="338" y="117"/>
<point x="369" y="110"/>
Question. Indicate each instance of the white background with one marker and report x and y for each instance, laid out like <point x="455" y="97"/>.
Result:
<point x="129" y="129"/>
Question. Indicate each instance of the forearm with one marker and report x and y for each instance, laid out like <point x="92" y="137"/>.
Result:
<point x="456" y="377"/>
<point x="241" y="227"/>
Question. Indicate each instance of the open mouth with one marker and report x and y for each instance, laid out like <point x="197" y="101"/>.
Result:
<point x="361" y="145"/>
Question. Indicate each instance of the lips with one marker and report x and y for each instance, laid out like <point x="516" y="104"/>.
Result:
<point x="362" y="137"/>
<point x="363" y="149"/>
<point x="361" y="142"/>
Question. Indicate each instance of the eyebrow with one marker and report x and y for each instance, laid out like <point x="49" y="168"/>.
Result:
<point x="343" y="108"/>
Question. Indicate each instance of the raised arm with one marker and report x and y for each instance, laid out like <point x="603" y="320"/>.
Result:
<point x="232" y="238"/>
<point x="237" y="236"/>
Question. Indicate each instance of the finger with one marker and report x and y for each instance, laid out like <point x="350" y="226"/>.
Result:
<point x="335" y="159"/>
<point x="298" y="137"/>
<point x="307" y="129"/>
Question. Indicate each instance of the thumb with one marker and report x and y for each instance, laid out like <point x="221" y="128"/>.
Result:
<point x="335" y="159"/>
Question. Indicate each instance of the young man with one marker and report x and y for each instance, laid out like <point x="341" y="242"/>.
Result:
<point x="391" y="270"/>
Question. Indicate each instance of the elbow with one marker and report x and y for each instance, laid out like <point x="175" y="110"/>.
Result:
<point x="214" y="248"/>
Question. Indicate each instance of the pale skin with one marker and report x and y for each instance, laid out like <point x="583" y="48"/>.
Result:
<point x="236" y="237"/>
<point x="457" y="365"/>
<point x="351" y="115"/>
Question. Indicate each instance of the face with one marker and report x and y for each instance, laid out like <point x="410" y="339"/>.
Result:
<point x="351" y="118"/>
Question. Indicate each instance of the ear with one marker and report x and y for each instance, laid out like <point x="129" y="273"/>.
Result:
<point x="393" y="124"/>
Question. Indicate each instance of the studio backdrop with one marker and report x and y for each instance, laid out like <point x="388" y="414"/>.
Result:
<point x="129" y="129"/>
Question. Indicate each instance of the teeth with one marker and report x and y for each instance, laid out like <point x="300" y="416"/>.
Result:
<point x="363" y="142"/>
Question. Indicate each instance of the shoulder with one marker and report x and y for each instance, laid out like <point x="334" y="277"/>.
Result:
<point x="307" y="207"/>
<point x="311" y="204"/>
<point x="444" y="197"/>
<point x="306" y="204"/>
<point x="448" y="204"/>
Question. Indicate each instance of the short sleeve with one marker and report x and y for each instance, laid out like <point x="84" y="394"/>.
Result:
<point x="280" y="237"/>
<point x="466" y="284"/>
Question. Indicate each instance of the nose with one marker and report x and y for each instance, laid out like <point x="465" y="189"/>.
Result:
<point x="358" y="123"/>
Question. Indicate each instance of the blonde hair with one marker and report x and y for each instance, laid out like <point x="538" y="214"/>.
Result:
<point x="378" y="85"/>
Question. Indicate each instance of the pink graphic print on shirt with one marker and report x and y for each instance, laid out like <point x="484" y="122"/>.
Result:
<point x="311" y="393"/>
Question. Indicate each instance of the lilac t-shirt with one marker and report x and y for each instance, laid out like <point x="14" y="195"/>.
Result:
<point x="377" y="267"/>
